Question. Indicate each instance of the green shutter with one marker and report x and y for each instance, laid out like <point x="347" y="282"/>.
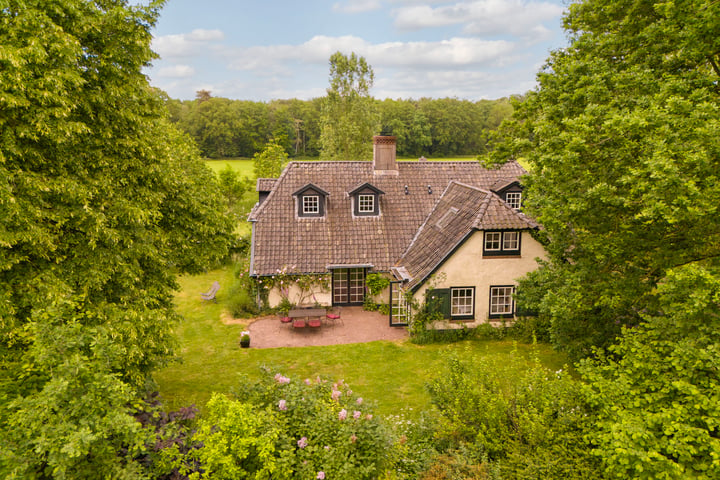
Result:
<point x="440" y="302"/>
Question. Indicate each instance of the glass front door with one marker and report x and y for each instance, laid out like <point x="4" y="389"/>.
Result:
<point x="348" y="286"/>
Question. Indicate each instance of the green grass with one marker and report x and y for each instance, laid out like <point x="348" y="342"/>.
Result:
<point x="392" y="374"/>
<point x="242" y="165"/>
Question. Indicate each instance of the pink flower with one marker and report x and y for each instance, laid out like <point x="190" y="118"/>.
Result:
<point x="320" y="476"/>
<point x="307" y="381"/>
<point x="356" y="414"/>
<point x="302" y="443"/>
<point x="282" y="405"/>
<point x="342" y="415"/>
<point x="281" y="379"/>
<point x="368" y="416"/>
<point x="353" y="438"/>
<point x="335" y="395"/>
<point x="359" y="401"/>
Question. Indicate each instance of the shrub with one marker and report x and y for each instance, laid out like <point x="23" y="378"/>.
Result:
<point x="531" y="428"/>
<point x="324" y="426"/>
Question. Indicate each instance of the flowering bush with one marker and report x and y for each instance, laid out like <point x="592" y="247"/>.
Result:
<point x="284" y="280"/>
<point x="329" y="431"/>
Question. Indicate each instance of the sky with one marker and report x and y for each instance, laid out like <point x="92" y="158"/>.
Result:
<point x="280" y="49"/>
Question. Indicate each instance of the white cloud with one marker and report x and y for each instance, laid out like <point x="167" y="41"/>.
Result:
<point x="186" y="44"/>
<point x="452" y="53"/>
<point x="472" y="85"/>
<point x="176" y="71"/>
<point x="356" y="6"/>
<point x="482" y="17"/>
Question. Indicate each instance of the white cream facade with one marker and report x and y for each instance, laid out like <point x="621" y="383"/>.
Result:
<point x="468" y="267"/>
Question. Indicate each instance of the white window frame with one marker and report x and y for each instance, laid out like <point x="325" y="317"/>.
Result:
<point x="509" y="243"/>
<point x="514" y="200"/>
<point x="462" y="301"/>
<point x="491" y="239"/>
<point x="366" y="203"/>
<point x="502" y="303"/>
<point x="311" y="204"/>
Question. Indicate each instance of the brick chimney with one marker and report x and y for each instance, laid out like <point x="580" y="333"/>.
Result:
<point x="384" y="159"/>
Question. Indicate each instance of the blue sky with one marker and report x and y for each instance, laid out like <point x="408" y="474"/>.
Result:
<point x="278" y="49"/>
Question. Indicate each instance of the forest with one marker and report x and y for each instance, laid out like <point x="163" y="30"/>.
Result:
<point x="106" y="204"/>
<point x="427" y="127"/>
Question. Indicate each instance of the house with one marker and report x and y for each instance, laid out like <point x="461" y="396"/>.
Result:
<point x="338" y="221"/>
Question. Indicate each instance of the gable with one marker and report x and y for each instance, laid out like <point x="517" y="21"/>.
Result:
<point x="460" y="212"/>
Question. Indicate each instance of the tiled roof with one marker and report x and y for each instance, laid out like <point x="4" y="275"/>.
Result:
<point x="461" y="210"/>
<point x="265" y="184"/>
<point x="309" y="245"/>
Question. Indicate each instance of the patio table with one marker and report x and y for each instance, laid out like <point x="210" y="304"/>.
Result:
<point x="309" y="314"/>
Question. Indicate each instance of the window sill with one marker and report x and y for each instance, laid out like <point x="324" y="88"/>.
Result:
<point x="504" y="255"/>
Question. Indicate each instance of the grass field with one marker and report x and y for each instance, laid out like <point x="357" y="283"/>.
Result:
<point x="242" y="165"/>
<point x="391" y="374"/>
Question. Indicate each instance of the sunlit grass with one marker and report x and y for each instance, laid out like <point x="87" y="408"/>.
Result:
<point x="393" y="374"/>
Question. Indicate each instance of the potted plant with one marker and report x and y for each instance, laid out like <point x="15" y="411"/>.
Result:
<point x="245" y="339"/>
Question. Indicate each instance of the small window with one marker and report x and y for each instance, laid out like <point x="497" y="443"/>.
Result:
<point x="366" y="203"/>
<point x="462" y="302"/>
<point x="514" y="199"/>
<point x="502" y="243"/>
<point x="511" y="240"/>
<point x="501" y="301"/>
<point x="492" y="241"/>
<point x="311" y="205"/>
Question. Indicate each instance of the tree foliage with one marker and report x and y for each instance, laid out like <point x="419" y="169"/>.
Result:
<point x="270" y="162"/>
<point x="349" y="118"/>
<point x="426" y="127"/>
<point x="621" y="137"/>
<point x="533" y="428"/>
<point x="102" y="202"/>
<point x="657" y="392"/>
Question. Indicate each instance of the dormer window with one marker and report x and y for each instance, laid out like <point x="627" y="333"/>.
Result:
<point x="510" y="192"/>
<point x="366" y="204"/>
<point x="310" y="201"/>
<point x="365" y="200"/>
<point x="514" y="199"/>
<point x="311" y="205"/>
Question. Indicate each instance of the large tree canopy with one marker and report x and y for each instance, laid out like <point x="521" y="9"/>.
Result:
<point x="622" y="140"/>
<point x="102" y="203"/>
<point x="349" y="118"/>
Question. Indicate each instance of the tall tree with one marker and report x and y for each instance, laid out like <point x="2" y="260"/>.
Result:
<point x="270" y="162"/>
<point x="349" y="119"/>
<point x="621" y="136"/>
<point x="102" y="202"/>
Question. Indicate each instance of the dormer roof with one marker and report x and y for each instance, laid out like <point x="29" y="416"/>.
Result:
<point x="365" y="186"/>
<point x="310" y="186"/>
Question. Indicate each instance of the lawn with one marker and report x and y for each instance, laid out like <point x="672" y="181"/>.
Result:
<point x="391" y="374"/>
